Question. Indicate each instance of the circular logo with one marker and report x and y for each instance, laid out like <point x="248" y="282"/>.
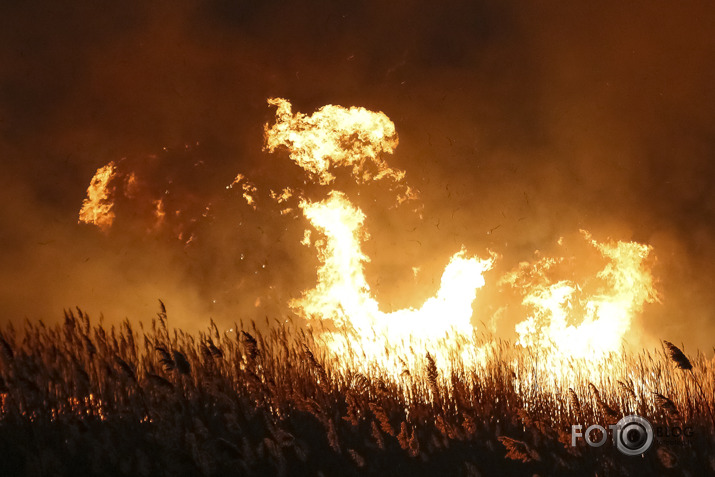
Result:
<point x="634" y="435"/>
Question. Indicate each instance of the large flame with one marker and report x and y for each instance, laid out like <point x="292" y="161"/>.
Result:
<point x="567" y="322"/>
<point x="97" y="207"/>
<point x="336" y="136"/>
<point x="343" y="294"/>
<point x="155" y="194"/>
<point x="568" y="319"/>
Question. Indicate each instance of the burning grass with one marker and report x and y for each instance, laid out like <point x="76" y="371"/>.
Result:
<point x="83" y="399"/>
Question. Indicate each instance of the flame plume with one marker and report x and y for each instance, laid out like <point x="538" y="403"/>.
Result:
<point x="343" y="294"/>
<point x="569" y="323"/>
<point x="97" y="207"/>
<point x="567" y="319"/>
<point x="336" y="136"/>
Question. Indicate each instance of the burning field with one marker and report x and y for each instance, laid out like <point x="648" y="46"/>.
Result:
<point x="80" y="399"/>
<point x="401" y="279"/>
<point x="343" y="386"/>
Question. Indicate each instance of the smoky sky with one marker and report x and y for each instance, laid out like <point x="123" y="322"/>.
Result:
<point x="519" y="123"/>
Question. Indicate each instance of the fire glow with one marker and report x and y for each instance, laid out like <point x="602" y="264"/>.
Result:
<point x="97" y="207"/>
<point x="564" y="320"/>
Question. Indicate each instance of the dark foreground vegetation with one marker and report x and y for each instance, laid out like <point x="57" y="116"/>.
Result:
<point x="81" y="399"/>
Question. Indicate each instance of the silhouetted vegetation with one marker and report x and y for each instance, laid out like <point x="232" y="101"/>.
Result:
<point x="83" y="399"/>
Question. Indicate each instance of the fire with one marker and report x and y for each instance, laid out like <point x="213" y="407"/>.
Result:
<point x="159" y="211"/>
<point x="336" y="136"/>
<point x="568" y="319"/>
<point x="342" y="291"/>
<point x="157" y="195"/>
<point x="248" y="189"/>
<point x="97" y="207"/>
<point x="236" y="181"/>
<point x="283" y="196"/>
<point x="567" y="322"/>
<point x="343" y="294"/>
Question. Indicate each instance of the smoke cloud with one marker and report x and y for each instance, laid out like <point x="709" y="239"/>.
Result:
<point x="518" y="124"/>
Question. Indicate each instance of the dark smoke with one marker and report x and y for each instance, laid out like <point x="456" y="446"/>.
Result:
<point x="518" y="124"/>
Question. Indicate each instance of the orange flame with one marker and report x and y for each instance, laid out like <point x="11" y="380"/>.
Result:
<point x="248" y="190"/>
<point x="335" y="136"/>
<point x="354" y="136"/>
<point x="567" y="322"/>
<point x="97" y="207"/>
<point x="342" y="294"/>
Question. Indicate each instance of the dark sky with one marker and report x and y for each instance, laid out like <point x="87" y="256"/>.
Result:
<point x="539" y="118"/>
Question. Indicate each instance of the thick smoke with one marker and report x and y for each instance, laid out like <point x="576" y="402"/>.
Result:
<point x="518" y="124"/>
